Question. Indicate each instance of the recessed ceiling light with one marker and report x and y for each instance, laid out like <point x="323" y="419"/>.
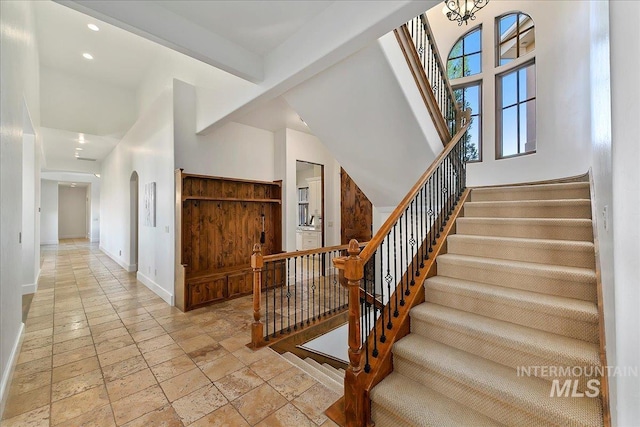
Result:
<point x="87" y="56"/>
<point x="93" y="27"/>
<point x="97" y="175"/>
<point x="78" y="148"/>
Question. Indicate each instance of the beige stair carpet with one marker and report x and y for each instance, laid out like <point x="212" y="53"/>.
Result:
<point x="517" y="289"/>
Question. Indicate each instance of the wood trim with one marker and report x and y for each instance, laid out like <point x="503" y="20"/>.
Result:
<point x="285" y="255"/>
<point x="424" y="87"/>
<point x="222" y="178"/>
<point x="604" y="380"/>
<point x="231" y="199"/>
<point x="314" y="323"/>
<point x="179" y="268"/>
<point x="373" y="245"/>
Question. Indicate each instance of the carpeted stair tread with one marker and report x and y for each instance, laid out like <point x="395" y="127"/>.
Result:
<point x="571" y="282"/>
<point x="569" y="308"/>
<point x="545" y="347"/>
<point x="565" y="316"/>
<point x="578" y="229"/>
<point x="487" y="386"/>
<point x="338" y="372"/>
<point x="542" y="251"/>
<point x="563" y="208"/>
<point x="569" y="190"/>
<point x="318" y="375"/>
<point x="412" y="404"/>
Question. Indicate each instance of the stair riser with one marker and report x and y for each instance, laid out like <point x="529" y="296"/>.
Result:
<point x="384" y="418"/>
<point x="478" y="399"/>
<point x="509" y="195"/>
<point x="490" y="349"/>
<point x="535" y="211"/>
<point x="584" y="234"/>
<point x="551" y="286"/>
<point x="571" y="328"/>
<point x="540" y="255"/>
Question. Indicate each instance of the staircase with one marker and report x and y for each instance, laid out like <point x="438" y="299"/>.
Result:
<point x="516" y="288"/>
<point x="324" y="373"/>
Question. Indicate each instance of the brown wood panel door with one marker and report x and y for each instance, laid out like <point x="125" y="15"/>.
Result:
<point x="356" y="211"/>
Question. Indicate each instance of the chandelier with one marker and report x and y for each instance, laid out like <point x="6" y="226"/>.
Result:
<point x="462" y="10"/>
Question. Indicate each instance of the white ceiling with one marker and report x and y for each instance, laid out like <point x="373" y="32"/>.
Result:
<point x="258" y="26"/>
<point x="60" y="146"/>
<point x="120" y="58"/>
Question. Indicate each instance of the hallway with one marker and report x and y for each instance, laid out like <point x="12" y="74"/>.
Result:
<point x="101" y="349"/>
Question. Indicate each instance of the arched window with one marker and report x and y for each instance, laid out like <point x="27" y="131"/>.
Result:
<point x="515" y="37"/>
<point x="515" y="86"/>
<point x="465" y="58"/>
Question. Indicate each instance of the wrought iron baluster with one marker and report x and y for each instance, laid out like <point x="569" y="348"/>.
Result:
<point x="288" y="295"/>
<point x="414" y="271"/>
<point x="273" y="286"/>
<point x="401" y="284"/>
<point x="295" y="293"/>
<point x="396" y="313"/>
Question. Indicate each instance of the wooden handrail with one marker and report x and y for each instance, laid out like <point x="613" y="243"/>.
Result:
<point x="285" y="255"/>
<point x="375" y="242"/>
<point x="441" y="64"/>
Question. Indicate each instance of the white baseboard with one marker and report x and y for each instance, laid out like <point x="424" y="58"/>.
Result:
<point x="73" y="236"/>
<point x="122" y="263"/>
<point x="155" y="288"/>
<point x="49" y="242"/>
<point x="94" y="240"/>
<point x="29" y="289"/>
<point x="5" y="382"/>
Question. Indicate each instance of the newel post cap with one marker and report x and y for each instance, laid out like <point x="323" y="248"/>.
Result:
<point x="353" y="266"/>
<point x="256" y="258"/>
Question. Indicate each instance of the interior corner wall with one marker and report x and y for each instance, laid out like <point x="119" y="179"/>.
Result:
<point x="19" y="85"/>
<point x="148" y="149"/>
<point x="563" y="90"/>
<point x="29" y="216"/>
<point x="233" y="151"/>
<point x="625" y="211"/>
<point x="72" y="212"/>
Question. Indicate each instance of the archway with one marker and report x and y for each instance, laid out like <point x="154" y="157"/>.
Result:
<point x="133" y="220"/>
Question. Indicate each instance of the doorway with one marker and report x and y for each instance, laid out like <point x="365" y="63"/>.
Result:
<point x="310" y="205"/>
<point x="133" y="220"/>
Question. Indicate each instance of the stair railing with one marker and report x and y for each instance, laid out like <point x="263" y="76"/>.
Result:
<point x="430" y="73"/>
<point x="293" y="291"/>
<point x="392" y="267"/>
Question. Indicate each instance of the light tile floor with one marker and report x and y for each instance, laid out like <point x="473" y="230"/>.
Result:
<point x="100" y="349"/>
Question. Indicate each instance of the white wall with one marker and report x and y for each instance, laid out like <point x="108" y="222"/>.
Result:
<point x="74" y="102"/>
<point x="234" y="151"/>
<point x="625" y="95"/>
<point x="18" y="87"/>
<point x="49" y="212"/>
<point x="364" y="111"/>
<point x="563" y="87"/>
<point x="93" y="183"/>
<point x="147" y="148"/>
<point x="72" y="212"/>
<point x="30" y="215"/>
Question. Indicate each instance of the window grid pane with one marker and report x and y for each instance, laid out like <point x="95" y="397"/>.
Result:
<point x="517" y="111"/>
<point x="465" y="57"/>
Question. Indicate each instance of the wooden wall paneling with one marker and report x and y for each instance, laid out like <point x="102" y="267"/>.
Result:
<point x="221" y="221"/>
<point x="356" y="211"/>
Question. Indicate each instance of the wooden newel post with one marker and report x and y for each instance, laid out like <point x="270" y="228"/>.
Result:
<point x="257" y="327"/>
<point x="354" y="394"/>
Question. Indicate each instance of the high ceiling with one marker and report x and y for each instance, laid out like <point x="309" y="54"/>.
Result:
<point x="120" y="58"/>
<point x="258" y="26"/>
